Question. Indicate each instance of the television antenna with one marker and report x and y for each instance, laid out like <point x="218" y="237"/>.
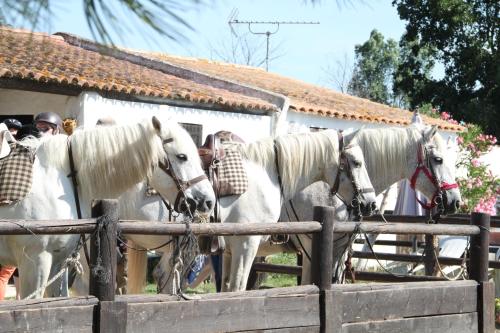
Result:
<point x="234" y="20"/>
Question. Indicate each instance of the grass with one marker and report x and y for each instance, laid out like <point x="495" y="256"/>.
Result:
<point x="272" y="280"/>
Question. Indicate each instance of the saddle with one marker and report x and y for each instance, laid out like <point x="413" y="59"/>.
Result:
<point x="212" y="151"/>
<point x="225" y="171"/>
<point x="16" y="173"/>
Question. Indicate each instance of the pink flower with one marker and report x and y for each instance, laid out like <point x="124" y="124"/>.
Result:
<point x="445" y="115"/>
<point x="475" y="162"/>
<point x="460" y="140"/>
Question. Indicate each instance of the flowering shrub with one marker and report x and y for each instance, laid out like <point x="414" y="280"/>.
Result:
<point x="479" y="187"/>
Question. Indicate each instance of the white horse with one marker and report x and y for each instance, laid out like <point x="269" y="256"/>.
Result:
<point x="298" y="160"/>
<point x="108" y="160"/>
<point x="391" y="154"/>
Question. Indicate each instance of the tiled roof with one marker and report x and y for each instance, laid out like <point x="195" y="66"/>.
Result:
<point x="304" y="97"/>
<point x="43" y="58"/>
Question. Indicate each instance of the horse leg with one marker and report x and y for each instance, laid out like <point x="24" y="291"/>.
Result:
<point x="363" y="263"/>
<point x="303" y="243"/>
<point x="244" y="249"/>
<point x="34" y="273"/>
<point x="163" y="274"/>
<point x="59" y="288"/>
<point x="226" y="267"/>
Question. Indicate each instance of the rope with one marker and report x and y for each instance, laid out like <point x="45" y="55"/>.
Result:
<point x="73" y="260"/>
<point x="463" y="274"/>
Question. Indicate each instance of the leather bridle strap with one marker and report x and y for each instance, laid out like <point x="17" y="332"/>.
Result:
<point x="440" y="186"/>
<point x="182" y="185"/>
<point x="74" y="181"/>
<point x="342" y="164"/>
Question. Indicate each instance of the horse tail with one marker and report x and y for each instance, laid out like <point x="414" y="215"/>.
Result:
<point x="137" y="269"/>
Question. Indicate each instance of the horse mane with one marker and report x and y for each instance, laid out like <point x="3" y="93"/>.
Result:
<point x="108" y="160"/>
<point x="299" y="154"/>
<point x="387" y="146"/>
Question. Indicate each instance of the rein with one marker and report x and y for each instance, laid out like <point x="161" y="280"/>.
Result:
<point x="428" y="171"/>
<point x="74" y="181"/>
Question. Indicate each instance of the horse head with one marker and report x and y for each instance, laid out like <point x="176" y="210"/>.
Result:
<point x="180" y="177"/>
<point x="434" y="174"/>
<point x="353" y="184"/>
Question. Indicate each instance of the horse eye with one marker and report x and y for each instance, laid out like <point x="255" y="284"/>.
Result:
<point x="438" y="160"/>
<point x="182" y="157"/>
<point x="356" y="164"/>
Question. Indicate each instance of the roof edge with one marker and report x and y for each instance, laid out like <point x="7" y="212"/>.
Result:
<point x="174" y="70"/>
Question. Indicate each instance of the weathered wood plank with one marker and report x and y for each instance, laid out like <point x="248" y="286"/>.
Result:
<point x="68" y="319"/>
<point x="113" y="317"/>
<point x="402" y="285"/>
<point x="56" y="302"/>
<point x="486" y="307"/>
<point x="405" y="228"/>
<point x="410" y="302"/>
<point x="225" y="315"/>
<point x="308" y="329"/>
<point x="456" y="323"/>
<point x="274" y="292"/>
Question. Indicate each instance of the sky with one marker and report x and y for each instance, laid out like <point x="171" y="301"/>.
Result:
<point x="303" y="51"/>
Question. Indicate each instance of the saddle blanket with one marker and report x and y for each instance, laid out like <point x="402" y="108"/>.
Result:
<point x="16" y="174"/>
<point x="232" y="176"/>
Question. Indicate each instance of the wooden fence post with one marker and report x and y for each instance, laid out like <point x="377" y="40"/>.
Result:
<point x="479" y="252"/>
<point x="103" y="261"/>
<point x="431" y="250"/>
<point x="322" y="265"/>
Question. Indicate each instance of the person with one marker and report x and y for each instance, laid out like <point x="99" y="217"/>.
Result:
<point x="48" y="123"/>
<point x="5" y="274"/>
<point x="13" y="125"/>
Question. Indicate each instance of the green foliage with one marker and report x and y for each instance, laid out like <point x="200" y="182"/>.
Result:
<point x="463" y="35"/>
<point x="275" y="280"/>
<point x="376" y="60"/>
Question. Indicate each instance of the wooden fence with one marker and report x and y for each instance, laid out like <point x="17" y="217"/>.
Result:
<point x="459" y="306"/>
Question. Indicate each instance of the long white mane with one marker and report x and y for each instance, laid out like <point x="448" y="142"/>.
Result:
<point x="394" y="147"/>
<point x="108" y="160"/>
<point x="299" y="156"/>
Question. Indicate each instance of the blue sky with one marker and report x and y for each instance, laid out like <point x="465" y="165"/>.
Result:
<point x="306" y="50"/>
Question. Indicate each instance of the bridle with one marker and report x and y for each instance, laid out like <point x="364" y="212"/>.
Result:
<point x="182" y="185"/>
<point x="428" y="171"/>
<point x="345" y="166"/>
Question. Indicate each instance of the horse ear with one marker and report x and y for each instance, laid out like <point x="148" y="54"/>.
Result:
<point x="156" y="124"/>
<point x="429" y="132"/>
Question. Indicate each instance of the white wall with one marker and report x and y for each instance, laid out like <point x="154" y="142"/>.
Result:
<point x="19" y="102"/>
<point x="249" y="127"/>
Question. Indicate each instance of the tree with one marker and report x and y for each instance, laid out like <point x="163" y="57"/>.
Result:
<point x="339" y="74"/>
<point x="376" y="61"/>
<point x="162" y="16"/>
<point x="464" y="35"/>
<point x="245" y="49"/>
<point x="102" y="17"/>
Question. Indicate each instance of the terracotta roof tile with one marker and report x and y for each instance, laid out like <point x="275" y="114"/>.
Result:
<point x="303" y="97"/>
<point x="48" y="58"/>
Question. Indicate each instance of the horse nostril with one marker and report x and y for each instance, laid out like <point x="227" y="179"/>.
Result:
<point x="374" y="205"/>
<point x="457" y="204"/>
<point x="209" y="204"/>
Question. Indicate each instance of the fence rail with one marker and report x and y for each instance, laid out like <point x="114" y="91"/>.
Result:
<point x="319" y="308"/>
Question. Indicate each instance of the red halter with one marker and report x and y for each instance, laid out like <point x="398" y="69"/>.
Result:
<point x="440" y="186"/>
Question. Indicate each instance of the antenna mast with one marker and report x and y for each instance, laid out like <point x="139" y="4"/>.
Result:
<point x="234" y="20"/>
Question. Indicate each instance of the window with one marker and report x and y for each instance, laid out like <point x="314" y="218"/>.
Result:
<point x="23" y="118"/>
<point x="196" y="132"/>
<point x="317" y="129"/>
